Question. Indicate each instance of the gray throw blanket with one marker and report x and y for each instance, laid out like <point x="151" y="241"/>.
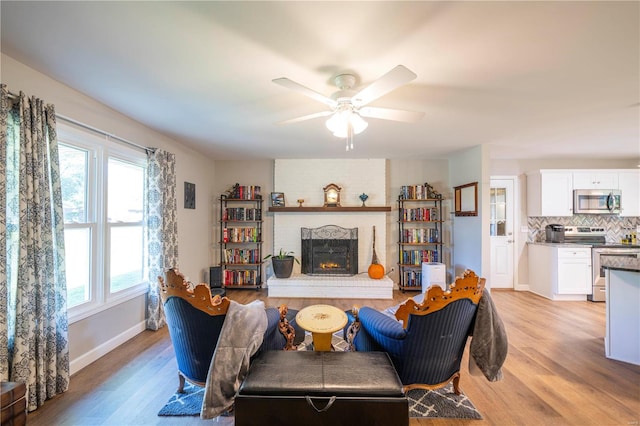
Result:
<point x="241" y="336"/>
<point x="489" y="345"/>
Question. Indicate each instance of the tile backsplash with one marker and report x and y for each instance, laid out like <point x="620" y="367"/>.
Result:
<point x="617" y="227"/>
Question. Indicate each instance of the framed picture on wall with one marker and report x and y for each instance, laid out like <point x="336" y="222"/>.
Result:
<point x="189" y="195"/>
<point x="277" y="199"/>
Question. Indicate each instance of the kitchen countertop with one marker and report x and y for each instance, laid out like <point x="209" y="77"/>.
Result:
<point x="542" y="243"/>
<point x="606" y="245"/>
<point x="620" y="263"/>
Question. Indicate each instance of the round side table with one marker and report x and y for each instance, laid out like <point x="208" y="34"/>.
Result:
<point x="322" y="321"/>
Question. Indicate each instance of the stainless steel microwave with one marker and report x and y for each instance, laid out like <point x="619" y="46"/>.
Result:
<point x="596" y="201"/>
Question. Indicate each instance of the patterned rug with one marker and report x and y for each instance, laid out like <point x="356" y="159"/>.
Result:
<point x="184" y="404"/>
<point x="439" y="403"/>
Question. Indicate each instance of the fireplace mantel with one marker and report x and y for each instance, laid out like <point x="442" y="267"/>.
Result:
<point x="328" y="209"/>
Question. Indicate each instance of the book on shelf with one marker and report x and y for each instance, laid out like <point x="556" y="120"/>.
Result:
<point x="239" y="277"/>
<point x="240" y="235"/>
<point x="416" y="257"/>
<point x="241" y="214"/>
<point x="414" y="192"/>
<point x="419" y="214"/>
<point x="412" y="278"/>
<point x="240" y="256"/>
<point x="245" y="192"/>
<point x="419" y="235"/>
<point x="419" y="192"/>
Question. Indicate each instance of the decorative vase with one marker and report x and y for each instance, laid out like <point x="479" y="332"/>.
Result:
<point x="363" y="197"/>
<point x="282" y="267"/>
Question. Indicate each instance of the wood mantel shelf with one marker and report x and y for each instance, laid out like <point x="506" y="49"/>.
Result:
<point x="329" y="209"/>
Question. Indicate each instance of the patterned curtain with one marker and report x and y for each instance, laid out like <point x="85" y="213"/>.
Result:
<point x="162" y="228"/>
<point x="34" y="345"/>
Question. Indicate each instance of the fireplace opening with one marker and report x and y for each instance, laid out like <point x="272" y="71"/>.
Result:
<point x="329" y="250"/>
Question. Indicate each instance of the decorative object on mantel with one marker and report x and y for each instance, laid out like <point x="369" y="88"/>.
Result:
<point x="332" y="195"/>
<point x="322" y="209"/>
<point x="282" y="263"/>
<point x="300" y="201"/>
<point x="376" y="270"/>
<point x="277" y="199"/>
<point x="363" y="197"/>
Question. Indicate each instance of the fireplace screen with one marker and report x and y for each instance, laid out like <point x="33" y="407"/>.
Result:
<point x="330" y="250"/>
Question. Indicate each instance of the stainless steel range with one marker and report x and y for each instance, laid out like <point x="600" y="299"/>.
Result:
<point x="596" y="238"/>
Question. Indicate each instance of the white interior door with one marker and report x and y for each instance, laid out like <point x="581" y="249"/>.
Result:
<point x="501" y="231"/>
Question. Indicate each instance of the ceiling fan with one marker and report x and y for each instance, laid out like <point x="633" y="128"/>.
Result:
<point x="347" y="106"/>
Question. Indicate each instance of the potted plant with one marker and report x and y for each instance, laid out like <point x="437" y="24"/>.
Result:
<point x="282" y="263"/>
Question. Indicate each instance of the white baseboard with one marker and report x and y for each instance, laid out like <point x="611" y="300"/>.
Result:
<point x="87" y="358"/>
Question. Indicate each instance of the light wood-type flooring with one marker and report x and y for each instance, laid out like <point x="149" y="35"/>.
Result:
<point x="555" y="374"/>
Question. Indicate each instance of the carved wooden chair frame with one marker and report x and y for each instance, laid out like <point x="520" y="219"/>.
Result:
<point x="200" y="298"/>
<point x="469" y="286"/>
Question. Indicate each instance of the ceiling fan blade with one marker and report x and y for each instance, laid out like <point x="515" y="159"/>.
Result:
<point x="391" y="114"/>
<point x="306" y="117"/>
<point x="395" y="78"/>
<point x="290" y="84"/>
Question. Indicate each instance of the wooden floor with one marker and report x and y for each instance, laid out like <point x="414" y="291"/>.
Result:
<point x="556" y="372"/>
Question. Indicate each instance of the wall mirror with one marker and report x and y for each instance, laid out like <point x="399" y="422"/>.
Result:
<point x="466" y="199"/>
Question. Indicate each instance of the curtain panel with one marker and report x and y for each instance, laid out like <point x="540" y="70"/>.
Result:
<point x="34" y="344"/>
<point x="162" y="228"/>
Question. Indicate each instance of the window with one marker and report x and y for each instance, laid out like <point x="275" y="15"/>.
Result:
<point x="126" y="234"/>
<point x="103" y="193"/>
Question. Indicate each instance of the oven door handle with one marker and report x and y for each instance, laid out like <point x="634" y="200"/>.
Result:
<point x="630" y="255"/>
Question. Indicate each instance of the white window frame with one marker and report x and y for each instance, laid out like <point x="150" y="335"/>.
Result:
<point x="100" y="149"/>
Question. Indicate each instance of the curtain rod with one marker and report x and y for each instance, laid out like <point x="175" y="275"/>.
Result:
<point x="102" y="132"/>
<point x="94" y="129"/>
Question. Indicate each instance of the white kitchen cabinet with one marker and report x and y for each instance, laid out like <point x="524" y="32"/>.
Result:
<point x="550" y="193"/>
<point x="595" y="179"/>
<point x="629" y="185"/>
<point x="560" y="272"/>
<point x="574" y="271"/>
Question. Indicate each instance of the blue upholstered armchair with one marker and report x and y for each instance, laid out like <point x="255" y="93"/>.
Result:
<point x="425" y="341"/>
<point x="195" y="318"/>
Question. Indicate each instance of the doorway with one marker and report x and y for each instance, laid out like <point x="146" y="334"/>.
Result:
<point x="501" y="231"/>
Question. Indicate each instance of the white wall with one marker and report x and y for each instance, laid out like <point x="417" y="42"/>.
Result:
<point x="470" y="233"/>
<point x="93" y="336"/>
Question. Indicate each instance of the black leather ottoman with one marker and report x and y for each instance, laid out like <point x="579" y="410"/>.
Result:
<point x="321" y="388"/>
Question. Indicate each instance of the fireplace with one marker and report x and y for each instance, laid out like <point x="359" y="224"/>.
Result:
<point x="330" y="250"/>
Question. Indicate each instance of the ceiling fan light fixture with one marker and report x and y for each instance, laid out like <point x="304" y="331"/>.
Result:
<point x="342" y="121"/>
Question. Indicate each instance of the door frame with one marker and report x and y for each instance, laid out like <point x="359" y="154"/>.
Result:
<point x="517" y="228"/>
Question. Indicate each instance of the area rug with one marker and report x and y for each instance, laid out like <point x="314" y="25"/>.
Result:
<point x="184" y="404"/>
<point x="439" y="403"/>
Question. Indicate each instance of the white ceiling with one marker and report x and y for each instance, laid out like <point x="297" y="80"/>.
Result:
<point x="533" y="80"/>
